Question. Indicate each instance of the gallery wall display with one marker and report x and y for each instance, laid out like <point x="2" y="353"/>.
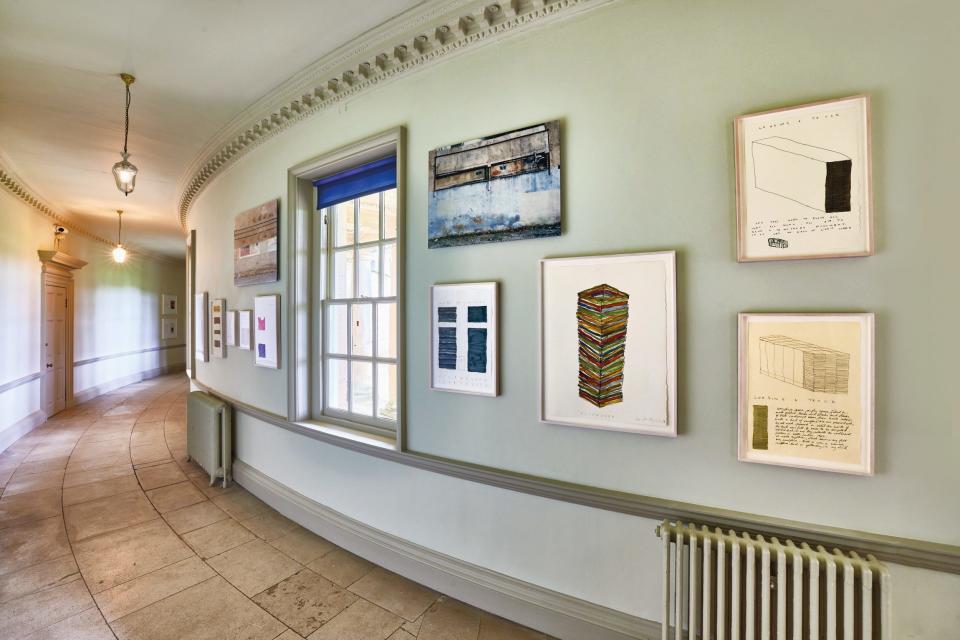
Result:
<point x="266" y="331"/>
<point x="803" y="181"/>
<point x="608" y="342"/>
<point x="806" y="390"/>
<point x="217" y="324"/>
<point x="231" y="328"/>
<point x="245" y="329"/>
<point x="200" y="327"/>
<point x="497" y="188"/>
<point x="463" y="339"/>
<point x="168" y="328"/>
<point x="168" y="304"/>
<point x="255" y="245"/>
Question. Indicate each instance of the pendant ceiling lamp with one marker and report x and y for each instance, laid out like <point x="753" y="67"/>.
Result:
<point x="119" y="253"/>
<point x="124" y="172"/>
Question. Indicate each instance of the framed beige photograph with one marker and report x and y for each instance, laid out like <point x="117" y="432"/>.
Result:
<point x="806" y="389"/>
<point x="803" y="181"/>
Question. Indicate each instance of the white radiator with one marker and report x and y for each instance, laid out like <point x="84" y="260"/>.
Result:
<point x="737" y="586"/>
<point x="209" y="431"/>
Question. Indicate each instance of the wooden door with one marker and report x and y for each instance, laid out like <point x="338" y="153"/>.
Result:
<point x="54" y="348"/>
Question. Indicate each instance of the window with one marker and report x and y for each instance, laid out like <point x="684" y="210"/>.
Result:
<point x="360" y="335"/>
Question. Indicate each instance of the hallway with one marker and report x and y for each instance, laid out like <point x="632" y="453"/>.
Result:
<point x="107" y="531"/>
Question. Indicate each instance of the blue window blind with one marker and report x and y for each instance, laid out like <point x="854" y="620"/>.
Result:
<point x="372" y="177"/>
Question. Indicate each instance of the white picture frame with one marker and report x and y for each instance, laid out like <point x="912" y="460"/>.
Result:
<point x="803" y="181"/>
<point x="169" y="305"/>
<point x="635" y="293"/>
<point x="245" y="329"/>
<point x="200" y="339"/>
<point x="168" y="328"/>
<point x="795" y="370"/>
<point x="218" y="323"/>
<point x="266" y="331"/>
<point x="463" y="338"/>
<point x="231" y="328"/>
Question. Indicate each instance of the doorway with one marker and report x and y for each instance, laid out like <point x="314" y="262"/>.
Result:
<point x="56" y="329"/>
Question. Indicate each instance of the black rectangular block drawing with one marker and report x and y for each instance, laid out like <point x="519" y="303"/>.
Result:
<point x="476" y="350"/>
<point x="447" y="348"/>
<point x="476" y="314"/>
<point x="812" y="176"/>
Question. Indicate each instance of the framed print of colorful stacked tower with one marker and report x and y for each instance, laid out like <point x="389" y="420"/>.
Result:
<point x="602" y="334"/>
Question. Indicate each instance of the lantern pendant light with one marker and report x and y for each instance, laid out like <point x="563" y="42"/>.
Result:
<point x="119" y="253"/>
<point x="124" y="172"/>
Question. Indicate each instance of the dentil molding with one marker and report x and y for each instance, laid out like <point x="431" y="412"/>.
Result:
<point x="429" y="33"/>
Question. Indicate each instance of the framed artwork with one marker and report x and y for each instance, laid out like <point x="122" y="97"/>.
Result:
<point x="245" y="329"/>
<point x="200" y="327"/>
<point x="217" y="326"/>
<point x="806" y="390"/>
<point x="266" y="331"/>
<point x="497" y="188"/>
<point x="168" y="328"/>
<point x="803" y="182"/>
<point x="255" y="245"/>
<point x="168" y="304"/>
<point x="463" y="338"/>
<point x="231" y="328"/>
<point x="608" y="342"/>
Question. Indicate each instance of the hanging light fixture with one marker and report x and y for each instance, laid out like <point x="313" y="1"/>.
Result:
<point x="124" y="172"/>
<point x="119" y="253"/>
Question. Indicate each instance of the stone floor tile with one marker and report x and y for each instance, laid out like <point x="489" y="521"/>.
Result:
<point x="240" y="504"/>
<point x="97" y="463"/>
<point x="150" y="453"/>
<point x="88" y="625"/>
<point x="402" y="634"/>
<point x="253" y="567"/>
<point x="448" y="619"/>
<point x="140" y="592"/>
<point x="101" y="489"/>
<point x="160" y="475"/>
<point x="32" y="612"/>
<point x="341" y="567"/>
<point x="34" y="482"/>
<point x="110" y="559"/>
<point x="360" y="621"/>
<point x="413" y="628"/>
<point x="39" y="576"/>
<point x="494" y="628"/>
<point x="289" y="635"/>
<point x="27" y="507"/>
<point x="28" y="544"/>
<point x="394" y="593"/>
<point x="304" y="601"/>
<point x="302" y="545"/>
<point x="211" y="610"/>
<point x="202" y="482"/>
<point x="77" y="478"/>
<point x="214" y="539"/>
<point x="269" y="526"/>
<point x="175" y="496"/>
<point x="194" y="517"/>
<point x="50" y="464"/>
<point x="102" y="515"/>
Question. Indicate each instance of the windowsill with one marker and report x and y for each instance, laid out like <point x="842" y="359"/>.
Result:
<point x="354" y="435"/>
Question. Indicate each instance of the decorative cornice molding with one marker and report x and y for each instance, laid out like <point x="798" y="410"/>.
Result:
<point x="435" y="31"/>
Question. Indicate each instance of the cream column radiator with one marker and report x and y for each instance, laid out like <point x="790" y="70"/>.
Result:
<point x="209" y="435"/>
<point x="737" y="586"/>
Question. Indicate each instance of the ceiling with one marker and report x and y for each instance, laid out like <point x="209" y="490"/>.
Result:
<point x="198" y="64"/>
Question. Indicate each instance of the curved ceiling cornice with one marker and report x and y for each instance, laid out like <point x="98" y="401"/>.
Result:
<point x="432" y="32"/>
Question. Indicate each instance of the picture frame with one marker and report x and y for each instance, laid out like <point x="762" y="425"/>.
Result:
<point x="168" y="328"/>
<point x="463" y="338"/>
<point x="804" y="181"/>
<point x="608" y="342"/>
<point x="266" y="331"/>
<point x="806" y="390"/>
<point x="168" y="305"/>
<point x="200" y="338"/>
<point x="231" y="328"/>
<point x="245" y="329"/>
<point x="256" y="245"/>
<point x="217" y="326"/>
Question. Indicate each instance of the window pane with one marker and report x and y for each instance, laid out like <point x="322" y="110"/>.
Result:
<point x="337" y="384"/>
<point x="343" y="223"/>
<point x="362" y="388"/>
<point x="389" y="270"/>
<point x="343" y="274"/>
<point x="337" y="329"/>
<point x="369" y="284"/>
<point x="370" y="218"/>
<point x="387" y="391"/>
<point x="362" y="330"/>
<point x="387" y="330"/>
<point x="390" y="213"/>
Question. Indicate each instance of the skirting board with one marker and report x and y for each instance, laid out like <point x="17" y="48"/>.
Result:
<point x="548" y="611"/>
<point x="106" y="387"/>
<point x="21" y="428"/>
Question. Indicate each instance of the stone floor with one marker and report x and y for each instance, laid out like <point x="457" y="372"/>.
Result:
<point x="106" y="531"/>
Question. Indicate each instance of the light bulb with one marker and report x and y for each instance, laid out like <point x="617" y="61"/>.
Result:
<point x="125" y="175"/>
<point x="119" y="254"/>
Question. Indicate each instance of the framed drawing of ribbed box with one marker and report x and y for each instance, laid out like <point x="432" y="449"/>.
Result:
<point x="255" y="245"/>
<point x="497" y="188"/>
<point x="806" y="390"/>
<point x="804" y="182"/>
<point x="608" y="342"/>
<point x="463" y="338"/>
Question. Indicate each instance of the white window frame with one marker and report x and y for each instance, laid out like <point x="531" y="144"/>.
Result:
<point x="307" y="258"/>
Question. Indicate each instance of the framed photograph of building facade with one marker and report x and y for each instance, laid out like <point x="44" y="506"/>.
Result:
<point x="256" y="245"/>
<point x="806" y="390"/>
<point x="266" y="331"/>
<point x="804" y="182"/>
<point x="608" y="342"/>
<point x="463" y="338"/>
